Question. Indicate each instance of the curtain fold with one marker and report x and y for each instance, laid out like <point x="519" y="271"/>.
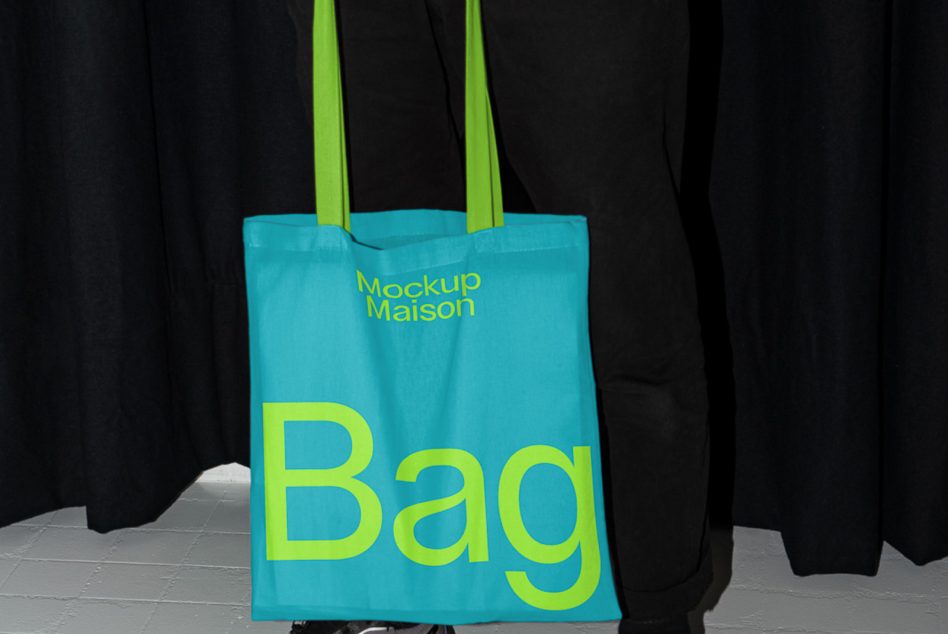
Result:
<point x="915" y="312"/>
<point x="830" y="197"/>
<point x="136" y="137"/>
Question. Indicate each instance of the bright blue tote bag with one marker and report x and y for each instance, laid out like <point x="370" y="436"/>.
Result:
<point x="424" y="430"/>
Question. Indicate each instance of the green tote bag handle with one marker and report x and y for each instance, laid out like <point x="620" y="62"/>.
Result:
<point x="484" y="202"/>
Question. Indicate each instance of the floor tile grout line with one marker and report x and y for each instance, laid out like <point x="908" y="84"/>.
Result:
<point x="138" y="529"/>
<point x="132" y="563"/>
<point x="19" y="554"/>
<point x="35" y="538"/>
<point x="246" y="602"/>
<point x="68" y="612"/>
<point x="177" y="570"/>
<point x="113" y="600"/>
<point x="44" y="629"/>
<point x="191" y="530"/>
<point x="70" y="604"/>
<point x="9" y="574"/>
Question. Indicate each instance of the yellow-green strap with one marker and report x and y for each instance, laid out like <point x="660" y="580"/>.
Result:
<point x="329" y="130"/>
<point x="484" y="201"/>
<point x="485" y="206"/>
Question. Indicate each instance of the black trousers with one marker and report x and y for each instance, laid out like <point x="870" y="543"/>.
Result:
<point x="590" y="107"/>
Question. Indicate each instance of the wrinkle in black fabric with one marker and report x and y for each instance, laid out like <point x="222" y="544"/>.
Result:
<point x="830" y="198"/>
<point x="136" y="139"/>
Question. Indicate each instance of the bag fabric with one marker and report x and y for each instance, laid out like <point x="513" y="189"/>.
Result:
<point x="424" y="441"/>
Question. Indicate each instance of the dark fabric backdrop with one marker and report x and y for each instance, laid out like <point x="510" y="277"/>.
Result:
<point x="134" y="136"/>
<point x="830" y="196"/>
<point x="823" y="270"/>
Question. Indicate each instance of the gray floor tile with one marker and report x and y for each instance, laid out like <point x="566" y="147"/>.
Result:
<point x="6" y="567"/>
<point x="15" y="539"/>
<point x="237" y="492"/>
<point x="39" y="520"/>
<point x="178" y="618"/>
<point x="607" y="627"/>
<point x="97" y="617"/>
<point x="230" y="516"/>
<point x="145" y="582"/>
<point x="71" y="544"/>
<point x="245" y="625"/>
<point x="210" y="585"/>
<point x="152" y="547"/>
<point x="188" y="515"/>
<point x="72" y="516"/>
<point x="22" y="614"/>
<point x="206" y="491"/>
<point x="219" y="549"/>
<point x="192" y="577"/>
<point x="61" y="579"/>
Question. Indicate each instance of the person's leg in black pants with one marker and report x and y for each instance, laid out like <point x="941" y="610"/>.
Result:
<point x="590" y="106"/>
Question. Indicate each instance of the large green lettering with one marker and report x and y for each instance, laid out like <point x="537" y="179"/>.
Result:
<point x="278" y="478"/>
<point x="584" y="535"/>
<point x="474" y="538"/>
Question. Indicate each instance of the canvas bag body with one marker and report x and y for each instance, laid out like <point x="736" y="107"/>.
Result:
<point x="423" y="420"/>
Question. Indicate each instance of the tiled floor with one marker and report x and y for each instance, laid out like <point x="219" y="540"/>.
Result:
<point x="188" y="573"/>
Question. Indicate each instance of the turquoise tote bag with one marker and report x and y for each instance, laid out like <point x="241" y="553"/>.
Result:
<point x="424" y="429"/>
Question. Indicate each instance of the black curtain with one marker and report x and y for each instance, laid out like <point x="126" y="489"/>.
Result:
<point x="134" y="136"/>
<point x="830" y="196"/>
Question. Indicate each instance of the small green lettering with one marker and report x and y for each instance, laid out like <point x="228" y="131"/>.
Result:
<point x="465" y="286"/>
<point x="470" y="305"/>
<point x="450" y="306"/>
<point x="364" y="284"/>
<point x="392" y="291"/>
<point x="430" y="286"/>
<point x="402" y="313"/>
<point x="428" y="312"/>
<point x="378" y="310"/>
<point x="410" y="309"/>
